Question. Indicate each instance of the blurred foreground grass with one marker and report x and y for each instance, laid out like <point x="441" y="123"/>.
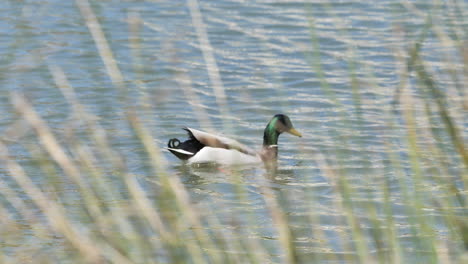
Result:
<point x="158" y="223"/>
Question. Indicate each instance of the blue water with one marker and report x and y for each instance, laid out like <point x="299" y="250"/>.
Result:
<point x="266" y="55"/>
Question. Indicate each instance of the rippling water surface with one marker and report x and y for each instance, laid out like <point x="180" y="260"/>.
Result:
<point x="266" y="55"/>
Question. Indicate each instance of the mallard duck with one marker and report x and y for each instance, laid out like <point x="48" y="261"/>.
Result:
<point x="203" y="147"/>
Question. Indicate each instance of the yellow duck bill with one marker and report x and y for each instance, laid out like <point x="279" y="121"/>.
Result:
<point x="294" y="132"/>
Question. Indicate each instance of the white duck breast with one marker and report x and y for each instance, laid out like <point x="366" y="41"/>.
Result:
<point x="223" y="156"/>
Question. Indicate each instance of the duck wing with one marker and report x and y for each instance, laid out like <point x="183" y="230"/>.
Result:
<point x="216" y="141"/>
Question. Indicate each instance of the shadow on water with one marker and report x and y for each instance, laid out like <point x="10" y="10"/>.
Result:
<point x="201" y="173"/>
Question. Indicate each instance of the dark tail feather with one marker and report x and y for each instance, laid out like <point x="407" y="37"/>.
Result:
<point x="173" y="145"/>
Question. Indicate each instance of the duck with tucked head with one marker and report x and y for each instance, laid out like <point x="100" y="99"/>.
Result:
<point x="203" y="147"/>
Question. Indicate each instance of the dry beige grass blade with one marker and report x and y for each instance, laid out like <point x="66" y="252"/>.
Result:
<point x="87" y="157"/>
<point x="154" y="152"/>
<point x="46" y="137"/>
<point x="208" y="55"/>
<point x="94" y="128"/>
<point x="57" y="153"/>
<point x="101" y="43"/>
<point x="90" y="249"/>
<point x="53" y="148"/>
<point x="174" y="186"/>
<point x="146" y="209"/>
<point x="190" y="213"/>
<point x="282" y="225"/>
<point x="200" y="113"/>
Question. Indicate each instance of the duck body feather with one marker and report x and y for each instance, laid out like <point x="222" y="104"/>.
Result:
<point x="203" y="147"/>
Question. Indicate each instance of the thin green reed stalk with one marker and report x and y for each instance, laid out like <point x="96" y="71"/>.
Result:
<point x="416" y="63"/>
<point x="376" y="230"/>
<point x="429" y="87"/>
<point x="435" y="149"/>
<point x="398" y="162"/>
<point x="179" y="228"/>
<point x="439" y="98"/>
<point x="416" y="204"/>
<point x="386" y="234"/>
<point x="330" y="174"/>
<point x="344" y="189"/>
<point x="423" y="222"/>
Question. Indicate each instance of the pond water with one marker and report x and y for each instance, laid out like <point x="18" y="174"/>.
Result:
<point x="307" y="60"/>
